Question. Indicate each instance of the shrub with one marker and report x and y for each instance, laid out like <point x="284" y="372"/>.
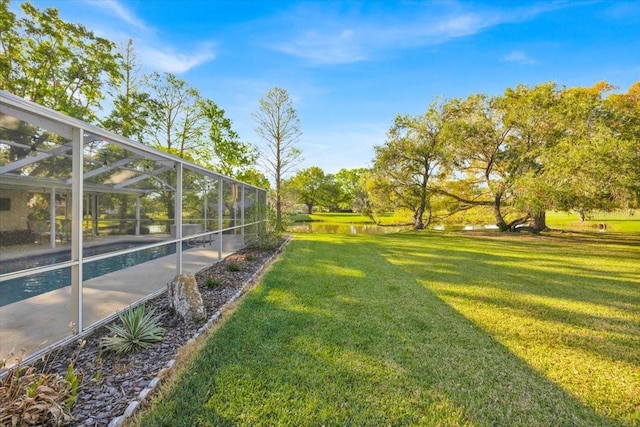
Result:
<point x="266" y="238"/>
<point x="234" y="266"/>
<point x="29" y="397"/>
<point x="213" y="282"/>
<point x="139" y="330"/>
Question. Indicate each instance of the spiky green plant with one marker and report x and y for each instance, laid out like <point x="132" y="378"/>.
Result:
<point x="213" y="282"/>
<point x="139" y="330"/>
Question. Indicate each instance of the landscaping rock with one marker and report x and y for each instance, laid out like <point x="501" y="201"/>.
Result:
<point x="185" y="298"/>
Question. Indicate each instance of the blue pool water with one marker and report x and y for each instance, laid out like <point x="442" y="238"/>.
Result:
<point x="26" y="287"/>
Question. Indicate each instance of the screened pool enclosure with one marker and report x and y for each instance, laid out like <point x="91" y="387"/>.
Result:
<point x="91" y="222"/>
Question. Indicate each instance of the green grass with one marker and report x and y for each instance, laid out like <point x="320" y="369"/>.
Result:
<point x="390" y="218"/>
<point x="431" y="329"/>
<point x="616" y="222"/>
<point x="333" y="217"/>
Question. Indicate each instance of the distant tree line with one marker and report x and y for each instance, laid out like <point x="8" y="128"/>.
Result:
<point x="518" y="155"/>
<point x="529" y="150"/>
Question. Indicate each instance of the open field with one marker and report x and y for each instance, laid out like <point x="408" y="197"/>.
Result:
<point x="441" y="329"/>
<point x="614" y="222"/>
<point x="337" y="218"/>
<point x="617" y="222"/>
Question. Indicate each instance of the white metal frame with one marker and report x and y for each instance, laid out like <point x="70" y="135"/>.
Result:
<point x="79" y="134"/>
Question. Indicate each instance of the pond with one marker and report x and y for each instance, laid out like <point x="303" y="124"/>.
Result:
<point x="328" y="228"/>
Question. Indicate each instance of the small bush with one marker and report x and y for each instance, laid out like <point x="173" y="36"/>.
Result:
<point x="213" y="282"/>
<point x="267" y="235"/>
<point x="234" y="266"/>
<point x="28" y="397"/>
<point x="139" y="330"/>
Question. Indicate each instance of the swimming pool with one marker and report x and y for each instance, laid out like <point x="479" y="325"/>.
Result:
<point x="26" y="287"/>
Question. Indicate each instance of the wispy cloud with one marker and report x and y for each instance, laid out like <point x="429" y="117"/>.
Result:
<point x="153" y="50"/>
<point x="324" y="36"/>
<point x="519" y="57"/>
<point x="327" y="48"/>
<point x="117" y="10"/>
<point x="171" y="61"/>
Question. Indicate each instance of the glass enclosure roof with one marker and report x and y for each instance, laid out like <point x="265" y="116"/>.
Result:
<point x="36" y="147"/>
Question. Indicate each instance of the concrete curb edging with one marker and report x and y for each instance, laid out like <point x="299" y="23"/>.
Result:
<point x="152" y="387"/>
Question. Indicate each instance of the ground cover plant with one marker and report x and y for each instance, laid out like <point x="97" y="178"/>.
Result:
<point x="426" y="329"/>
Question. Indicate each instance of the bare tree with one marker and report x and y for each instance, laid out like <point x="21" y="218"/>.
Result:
<point x="279" y="127"/>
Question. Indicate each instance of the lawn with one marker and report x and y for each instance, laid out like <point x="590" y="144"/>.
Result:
<point x="332" y="217"/>
<point x="434" y="329"/>
<point x="616" y="221"/>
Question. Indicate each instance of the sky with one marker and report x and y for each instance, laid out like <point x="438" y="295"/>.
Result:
<point x="350" y="67"/>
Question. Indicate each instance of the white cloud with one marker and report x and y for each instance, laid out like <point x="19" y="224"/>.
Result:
<point x="154" y="52"/>
<point x="324" y="36"/>
<point x="113" y="7"/>
<point x="171" y="61"/>
<point x="342" y="47"/>
<point x="519" y="57"/>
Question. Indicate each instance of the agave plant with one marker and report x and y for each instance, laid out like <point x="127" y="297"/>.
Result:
<point x="139" y="330"/>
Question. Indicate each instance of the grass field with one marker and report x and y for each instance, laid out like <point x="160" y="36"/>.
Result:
<point x="336" y="218"/>
<point x="434" y="329"/>
<point x="617" y="222"/>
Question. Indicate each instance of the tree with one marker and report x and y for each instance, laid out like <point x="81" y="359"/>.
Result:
<point x="349" y="184"/>
<point x="279" y="128"/>
<point x="231" y="157"/>
<point x="597" y="164"/>
<point x="130" y="114"/>
<point x="410" y="159"/>
<point x="361" y="200"/>
<point x="310" y="186"/>
<point x="176" y="123"/>
<point x="497" y="145"/>
<point x="477" y="142"/>
<point x="622" y="115"/>
<point x="57" y="64"/>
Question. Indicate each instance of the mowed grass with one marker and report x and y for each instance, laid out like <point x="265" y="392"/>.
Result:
<point x="425" y="329"/>
<point x="616" y="222"/>
<point x="334" y="218"/>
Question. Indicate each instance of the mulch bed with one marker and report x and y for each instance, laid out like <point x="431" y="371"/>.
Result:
<point x="111" y="382"/>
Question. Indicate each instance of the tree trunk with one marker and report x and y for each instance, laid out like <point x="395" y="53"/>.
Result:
<point x="417" y="218"/>
<point x="500" y="222"/>
<point x="540" y="222"/>
<point x="309" y="208"/>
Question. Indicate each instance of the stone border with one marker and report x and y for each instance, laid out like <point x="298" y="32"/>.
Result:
<point x="155" y="382"/>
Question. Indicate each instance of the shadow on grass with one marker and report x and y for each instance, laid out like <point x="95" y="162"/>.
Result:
<point x="549" y="303"/>
<point x="338" y="335"/>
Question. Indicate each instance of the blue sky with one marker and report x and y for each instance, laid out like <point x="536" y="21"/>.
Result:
<point x="351" y="66"/>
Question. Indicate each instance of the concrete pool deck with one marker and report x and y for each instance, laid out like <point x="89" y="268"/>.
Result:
<point x="32" y="324"/>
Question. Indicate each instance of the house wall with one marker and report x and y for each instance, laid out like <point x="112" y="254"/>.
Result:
<point x="16" y="217"/>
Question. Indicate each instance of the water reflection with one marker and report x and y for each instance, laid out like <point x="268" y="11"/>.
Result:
<point x="326" y="228"/>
